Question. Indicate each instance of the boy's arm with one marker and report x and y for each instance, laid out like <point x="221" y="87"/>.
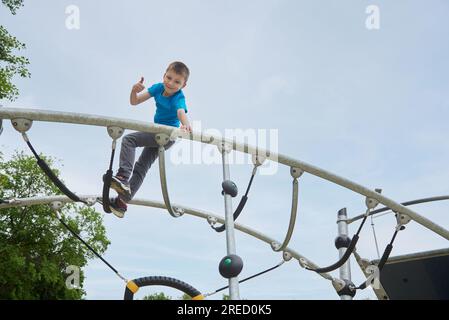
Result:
<point x="184" y="121"/>
<point x="136" y="98"/>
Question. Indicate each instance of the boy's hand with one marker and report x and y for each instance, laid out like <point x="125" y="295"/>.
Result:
<point x="139" y="86"/>
<point x="186" y="128"/>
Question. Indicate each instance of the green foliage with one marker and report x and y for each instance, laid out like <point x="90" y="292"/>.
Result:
<point x="13" y="5"/>
<point x="10" y="64"/>
<point x="157" y="296"/>
<point x="35" y="249"/>
<point x="185" y="296"/>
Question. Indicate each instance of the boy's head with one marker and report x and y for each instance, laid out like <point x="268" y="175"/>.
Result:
<point x="175" y="77"/>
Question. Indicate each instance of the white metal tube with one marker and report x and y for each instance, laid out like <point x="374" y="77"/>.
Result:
<point x="86" y="119"/>
<point x="23" y="202"/>
<point x="229" y="224"/>
<point x="345" y="269"/>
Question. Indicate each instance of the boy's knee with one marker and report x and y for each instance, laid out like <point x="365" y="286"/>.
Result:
<point x="128" y="139"/>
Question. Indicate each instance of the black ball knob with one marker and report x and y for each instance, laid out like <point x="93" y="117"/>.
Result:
<point x="229" y="187"/>
<point x="230" y="266"/>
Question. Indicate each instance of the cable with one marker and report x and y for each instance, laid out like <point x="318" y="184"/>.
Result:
<point x="407" y="203"/>
<point x="241" y="205"/>
<point x="89" y="247"/>
<point x="250" y="277"/>
<point x="50" y="174"/>
<point x="375" y="238"/>
<point x="347" y="253"/>
<point x="383" y="260"/>
<point x="107" y="177"/>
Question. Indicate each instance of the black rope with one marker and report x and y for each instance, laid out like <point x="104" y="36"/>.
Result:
<point x="50" y="174"/>
<point x="250" y="277"/>
<point x="86" y="244"/>
<point x="346" y="255"/>
<point x="382" y="260"/>
<point x="240" y="207"/>
<point x="107" y="184"/>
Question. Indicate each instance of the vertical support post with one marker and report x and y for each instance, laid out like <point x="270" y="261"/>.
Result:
<point x="229" y="223"/>
<point x="342" y="243"/>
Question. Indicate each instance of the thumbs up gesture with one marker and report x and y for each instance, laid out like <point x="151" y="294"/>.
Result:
<point x="139" y="86"/>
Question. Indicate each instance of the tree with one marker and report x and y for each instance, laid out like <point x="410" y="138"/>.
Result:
<point x="157" y="296"/>
<point x="13" y="5"/>
<point x="185" y="296"/>
<point x="35" y="249"/>
<point x="11" y="64"/>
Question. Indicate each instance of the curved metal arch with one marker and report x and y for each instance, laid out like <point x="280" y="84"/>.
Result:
<point x="291" y="225"/>
<point x="160" y="205"/>
<point x="407" y="203"/>
<point x="174" y="211"/>
<point x="86" y="119"/>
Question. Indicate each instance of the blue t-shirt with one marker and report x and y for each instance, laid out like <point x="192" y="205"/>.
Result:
<point x="167" y="107"/>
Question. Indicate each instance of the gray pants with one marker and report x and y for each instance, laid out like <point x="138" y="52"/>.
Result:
<point x="128" y="154"/>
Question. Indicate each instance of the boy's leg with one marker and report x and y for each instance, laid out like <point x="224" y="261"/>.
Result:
<point x="146" y="159"/>
<point x="128" y="150"/>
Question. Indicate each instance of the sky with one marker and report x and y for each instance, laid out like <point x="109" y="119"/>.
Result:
<point x="365" y="99"/>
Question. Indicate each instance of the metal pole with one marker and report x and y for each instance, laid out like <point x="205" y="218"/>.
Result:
<point x="345" y="269"/>
<point x="229" y="224"/>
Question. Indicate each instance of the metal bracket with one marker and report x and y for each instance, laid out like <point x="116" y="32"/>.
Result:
<point x="287" y="256"/>
<point x="275" y="245"/>
<point x="179" y="211"/>
<point x="258" y="159"/>
<point x="22" y="125"/>
<point x="56" y="205"/>
<point x="372" y="203"/>
<point x="91" y="201"/>
<point x="303" y="263"/>
<point x="212" y="220"/>
<point x="115" y="132"/>
<point x="296" y="172"/>
<point x="162" y="139"/>
<point x="402" y="219"/>
<point x="224" y="147"/>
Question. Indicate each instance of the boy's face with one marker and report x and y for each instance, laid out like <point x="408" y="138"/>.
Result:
<point x="173" y="82"/>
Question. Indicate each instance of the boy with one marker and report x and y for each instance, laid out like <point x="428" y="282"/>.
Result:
<point x="171" y="110"/>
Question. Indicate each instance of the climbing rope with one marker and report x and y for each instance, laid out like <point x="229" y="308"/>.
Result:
<point x="132" y="286"/>
<point x="50" y="174"/>
<point x="115" y="133"/>
<point x="370" y="204"/>
<point x="241" y="205"/>
<point x="401" y="221"/>
<point x="56" y="206"/>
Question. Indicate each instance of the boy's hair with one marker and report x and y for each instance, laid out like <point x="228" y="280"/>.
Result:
<point x="179" y="68"/>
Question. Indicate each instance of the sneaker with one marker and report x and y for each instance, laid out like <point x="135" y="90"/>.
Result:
<point x="118" y="207"/>
<point x="121" y="185"/>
